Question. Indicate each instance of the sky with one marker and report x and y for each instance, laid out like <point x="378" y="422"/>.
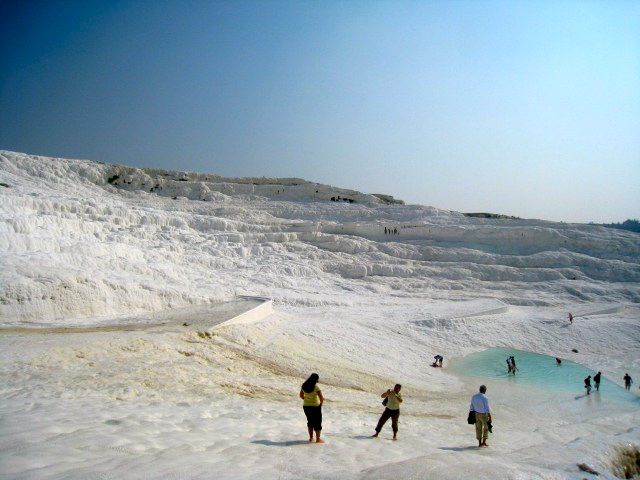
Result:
<point x="526" y="108"/>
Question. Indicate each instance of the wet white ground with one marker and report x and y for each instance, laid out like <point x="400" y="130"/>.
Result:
<point x="362" y="309"/>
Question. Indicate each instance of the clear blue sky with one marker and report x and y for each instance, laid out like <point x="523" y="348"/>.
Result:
<point x="518" y="107"/>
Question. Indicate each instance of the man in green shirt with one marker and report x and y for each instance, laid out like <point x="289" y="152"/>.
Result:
<point x="392" y="410"/>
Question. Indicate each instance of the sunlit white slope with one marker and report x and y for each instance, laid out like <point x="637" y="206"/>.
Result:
<point x="81" y="238"/>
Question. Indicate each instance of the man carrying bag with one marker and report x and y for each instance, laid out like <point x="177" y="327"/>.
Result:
<point x="480" y="412"/>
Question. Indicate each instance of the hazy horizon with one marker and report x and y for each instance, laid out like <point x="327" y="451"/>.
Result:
<point x="529" y="109"/>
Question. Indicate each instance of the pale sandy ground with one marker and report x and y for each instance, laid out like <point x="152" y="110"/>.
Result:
<point x="150" y="404"/>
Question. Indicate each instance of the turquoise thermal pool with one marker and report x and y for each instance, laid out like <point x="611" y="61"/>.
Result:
<point x="538" y="371"/>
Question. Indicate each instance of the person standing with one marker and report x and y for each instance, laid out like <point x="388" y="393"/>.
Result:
<point x="627" y="381"/>
<point x="480" y="405"/>
<point x="587" y="384"/>
<point x="509" y="365"/>
<point x="596" y="380"/>
<point x="312" y="405"/>
<point x="570" y="318"/>
<point x="391" y="411"/>
<point x="513" y="365"/>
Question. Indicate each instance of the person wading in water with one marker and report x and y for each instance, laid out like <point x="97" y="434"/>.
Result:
<point x="596" y="381"/>
<point x="587" y="384"/>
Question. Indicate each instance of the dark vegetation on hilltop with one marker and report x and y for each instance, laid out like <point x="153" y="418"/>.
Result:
<point x="490" y="215"/>
<point x="633" y="225"/>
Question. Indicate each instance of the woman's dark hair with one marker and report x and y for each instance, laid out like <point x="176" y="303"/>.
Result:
<point x="310" y="384"/>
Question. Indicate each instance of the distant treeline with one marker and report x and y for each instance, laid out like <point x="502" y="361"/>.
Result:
<point x="491" y="215"/>
<point x="633" y="225"/>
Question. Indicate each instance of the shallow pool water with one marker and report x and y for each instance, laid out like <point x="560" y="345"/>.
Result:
<point x="539" y="371"/>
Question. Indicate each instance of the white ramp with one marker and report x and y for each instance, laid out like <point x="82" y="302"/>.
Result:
<point x="599" y="310"/>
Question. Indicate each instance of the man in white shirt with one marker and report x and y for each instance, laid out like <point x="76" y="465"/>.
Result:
<point x="480" y="405"/>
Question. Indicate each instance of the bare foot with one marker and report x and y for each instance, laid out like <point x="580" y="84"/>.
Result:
<point x="394" y="439"/>
<point x="484" y="444"/>
<point x="375" y="435"/>
<point x="319" y="440"/>
<point x="311" y="439"/>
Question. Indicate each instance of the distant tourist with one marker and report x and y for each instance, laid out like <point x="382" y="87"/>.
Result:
<point x="570" y="318"/>
<point x="596" y="380"/>
<point x="627" y="381"/>
<point x="385" y="230"/>
<point x="392" y="401"/>
<point x="587" y="384"/>
<point x="312" y="406"/>
<point x="437" y="361"/>
<point x="480" y="405"/>
<point x="511" y="365"/>
<point x="558" y="361"/>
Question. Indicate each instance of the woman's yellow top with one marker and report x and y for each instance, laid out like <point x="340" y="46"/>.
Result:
<point x="311" y="399"/>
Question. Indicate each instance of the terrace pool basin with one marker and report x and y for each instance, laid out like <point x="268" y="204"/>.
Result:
<point x="540" y="372"/>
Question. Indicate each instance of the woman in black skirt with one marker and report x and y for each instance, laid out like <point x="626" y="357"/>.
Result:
<point x="312" y="406"/>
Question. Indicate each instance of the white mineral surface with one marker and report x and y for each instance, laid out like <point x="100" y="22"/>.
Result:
<point x="91" y="245"/>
